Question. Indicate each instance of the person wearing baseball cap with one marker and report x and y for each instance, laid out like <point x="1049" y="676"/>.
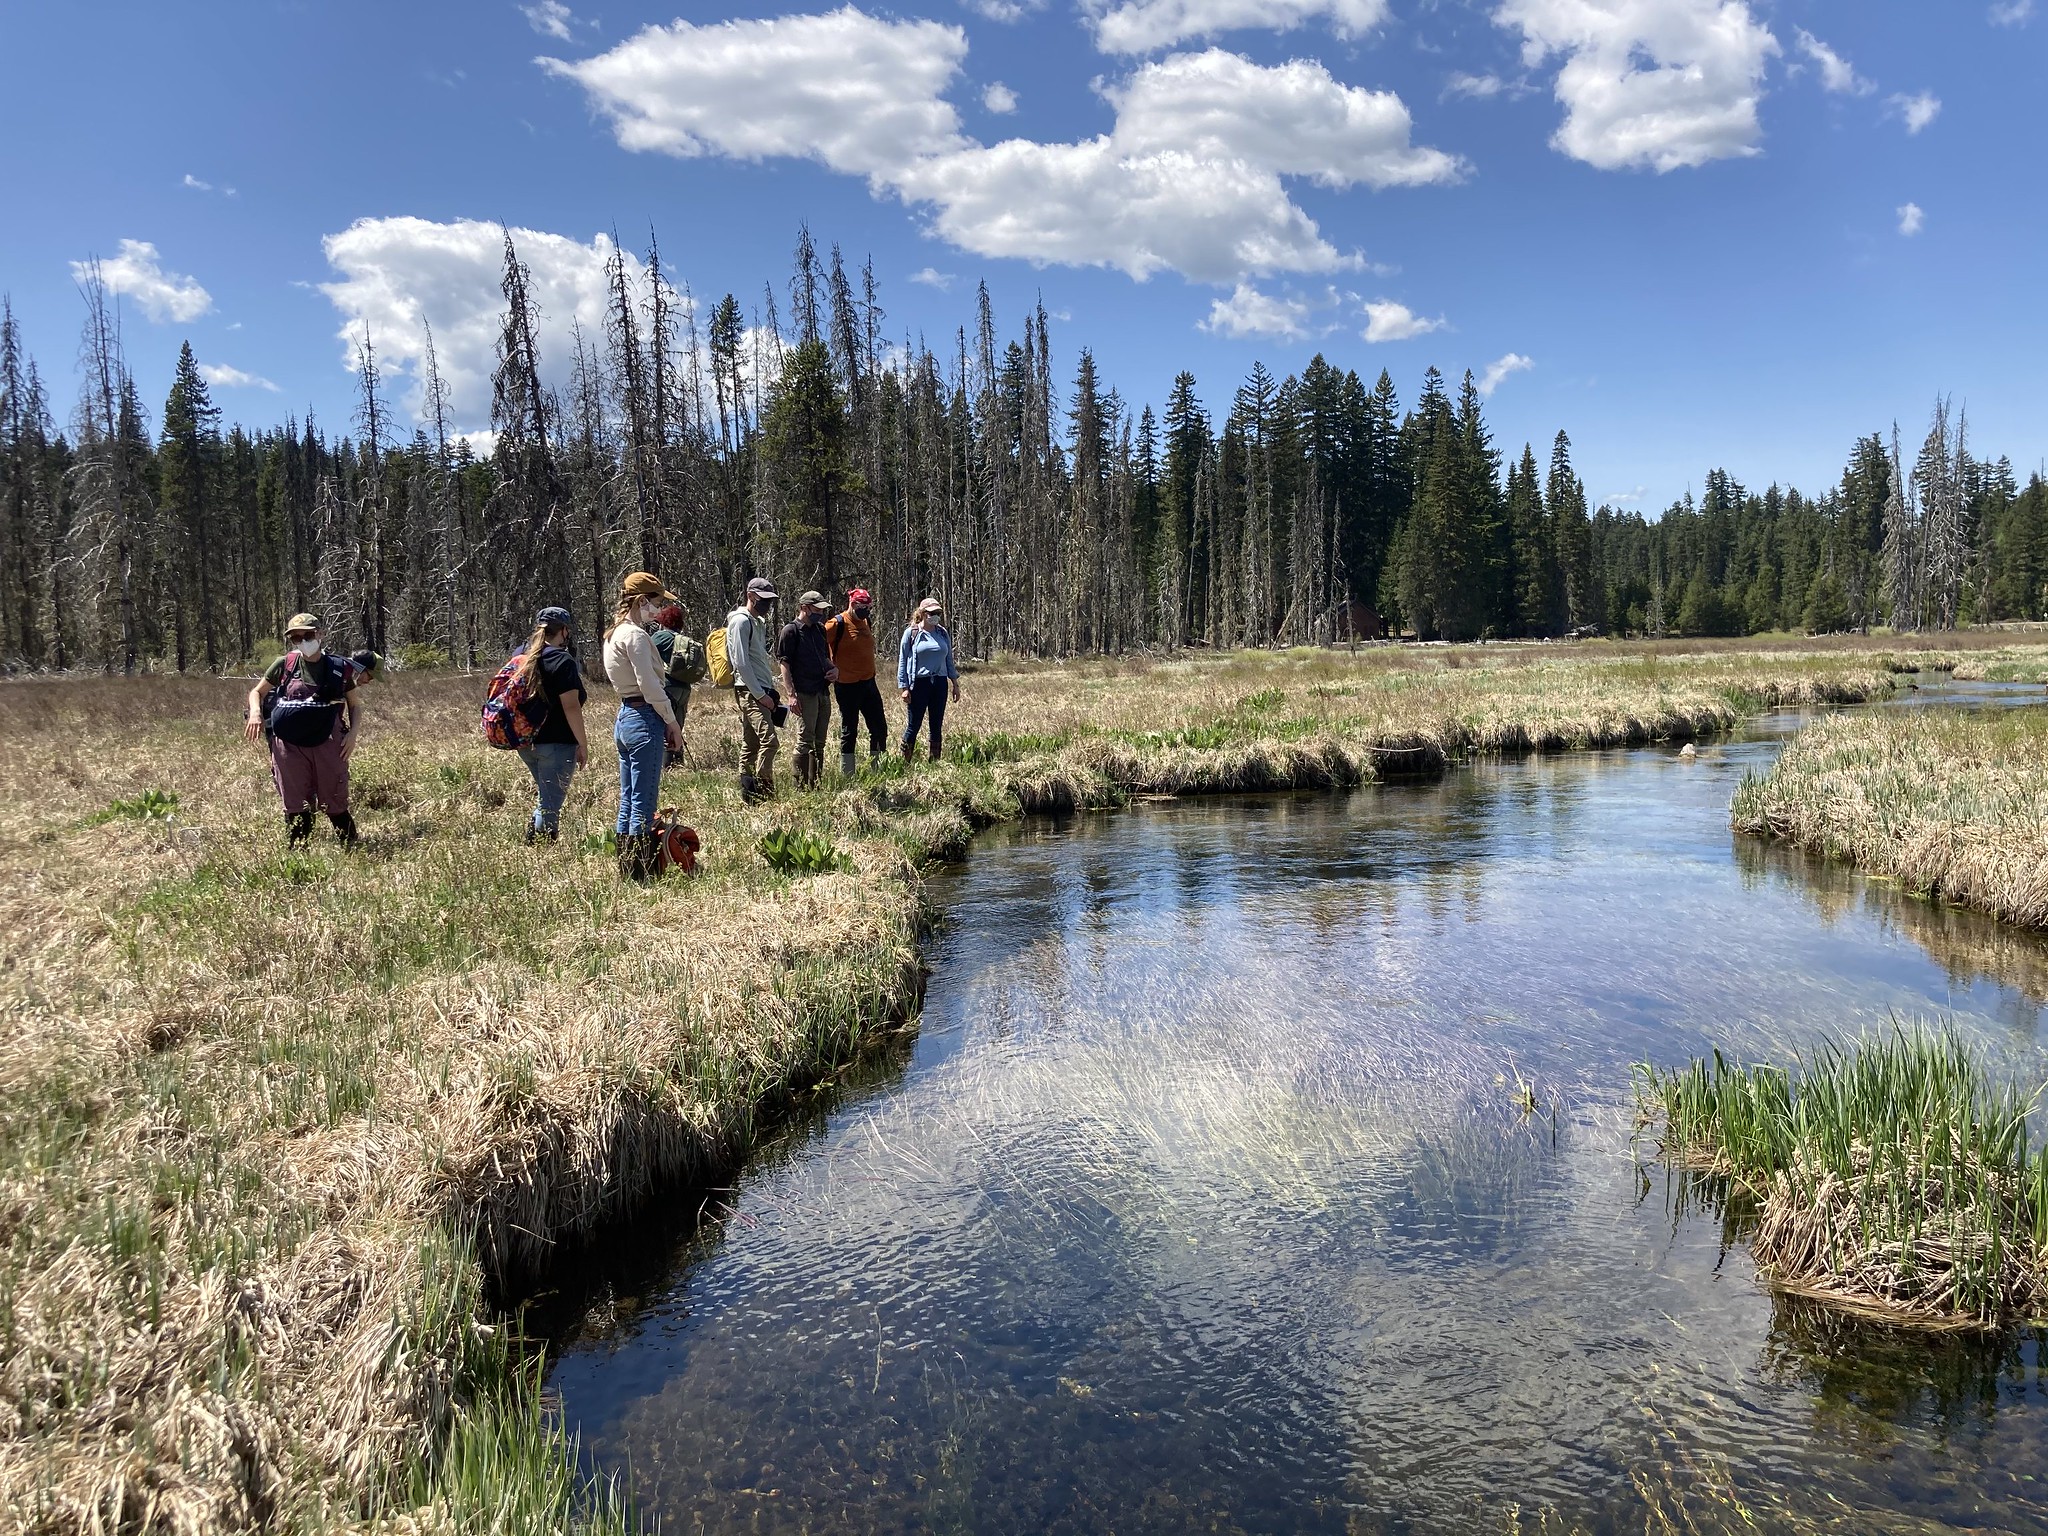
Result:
<point x="807" y="676"/>
<point x="309" y="707"/>
<point x="559" y="747"/>
<point x="754" y="679"/>
<point x="851" y="638"/>
<point x="926" y="674"/>
<point x="647" y="730"/>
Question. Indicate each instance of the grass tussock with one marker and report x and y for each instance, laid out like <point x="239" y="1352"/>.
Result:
<point x="1949" y="803"/>
<point x="280" y="1130"/>
<point x="1894" y="1176"/>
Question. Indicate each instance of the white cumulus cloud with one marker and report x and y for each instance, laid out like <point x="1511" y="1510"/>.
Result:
<point x="1657" y="84"/>
<point x="1918" y="110"/>
<point x="1248" y="312"/>
<point x="1478" y="87"/>
<point x="1498" y="370"/>
<point x="399" y="275"/>
<point x="858" y="94"/>
<point x="1189" y="178"/>
<point x="1912" y="219"/>
<point x="1836" y="73"/>
<point x="2012" y="13"/>
<point x="1386" y="320"/>
<point x="932" y="277"/>
<point x="999" y="98"/>
<point x="227" y="376"/>
<point x="137" y="272"/>
<point x="1146" y="26"/>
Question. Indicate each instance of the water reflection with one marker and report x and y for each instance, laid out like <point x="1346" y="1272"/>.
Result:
<point x="1203" y="1201"/>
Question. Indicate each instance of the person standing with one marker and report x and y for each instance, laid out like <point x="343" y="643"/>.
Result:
<point x="313" y="724"/>
<point x="807" y="674"/>
<point x="850" y="636"/>
<point x="647" y="727"/>
<point x="926" y="674"/>
<point x="549" y="670"/>
<point x="753" y="671"/>
<point x="682" y="664"/>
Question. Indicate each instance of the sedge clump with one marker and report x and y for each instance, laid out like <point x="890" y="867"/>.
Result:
<point x="1893" y="1176"/>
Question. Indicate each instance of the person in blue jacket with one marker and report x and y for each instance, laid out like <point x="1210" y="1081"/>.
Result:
<point x="926" y="674"/>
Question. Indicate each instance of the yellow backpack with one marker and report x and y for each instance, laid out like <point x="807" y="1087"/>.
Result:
<point x="715" y="659"/>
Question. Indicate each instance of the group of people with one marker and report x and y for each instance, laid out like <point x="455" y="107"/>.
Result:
<point x="308" y="704"/>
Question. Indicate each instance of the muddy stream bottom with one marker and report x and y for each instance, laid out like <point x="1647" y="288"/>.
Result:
<point x="1202" y="1199"/>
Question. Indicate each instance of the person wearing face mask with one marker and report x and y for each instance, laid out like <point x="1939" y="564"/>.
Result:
<point x="850" y="636"/>
<point x="647" y="728"/>
<point x="807" y="673"/>
<point x="926" y="674"/>
<point x="309" y="705"/>
<point x="754" y="679"/>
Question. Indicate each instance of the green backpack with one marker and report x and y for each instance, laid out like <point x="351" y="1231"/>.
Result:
<point x="687" y="663"/>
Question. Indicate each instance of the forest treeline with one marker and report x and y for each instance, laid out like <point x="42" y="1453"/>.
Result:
<point x="1054" y="518"/>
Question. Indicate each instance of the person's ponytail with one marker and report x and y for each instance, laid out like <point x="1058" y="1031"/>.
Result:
<point x="529" y="663"/>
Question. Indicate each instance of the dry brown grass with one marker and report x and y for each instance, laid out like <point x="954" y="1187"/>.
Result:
<point x="1951" y="804"/>
<point x="274" y="1126"/>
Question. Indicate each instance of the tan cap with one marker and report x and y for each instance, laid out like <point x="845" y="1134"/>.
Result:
<point x="299" y="621"/>
<point x="931" y="605"/>
<point x="811" y="600"/>
<point x="645" y="584"/>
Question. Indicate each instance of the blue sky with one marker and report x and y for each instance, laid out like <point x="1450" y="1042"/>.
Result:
<point x="1690" y="232"/>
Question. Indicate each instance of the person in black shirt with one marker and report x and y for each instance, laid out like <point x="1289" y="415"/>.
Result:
<point x="559" y="747"/>
<point x="807" y="675"/>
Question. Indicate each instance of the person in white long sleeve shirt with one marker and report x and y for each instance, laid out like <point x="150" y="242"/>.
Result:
<point x="647" y="728"/>
<point x="754" y="679"/>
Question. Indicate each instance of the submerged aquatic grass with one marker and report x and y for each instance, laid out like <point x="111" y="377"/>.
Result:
<point x="1894" y="1175"/>
<point x="1949" y="803"/>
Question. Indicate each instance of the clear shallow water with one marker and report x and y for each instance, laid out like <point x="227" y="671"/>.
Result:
<point x="1200" y="1202"/>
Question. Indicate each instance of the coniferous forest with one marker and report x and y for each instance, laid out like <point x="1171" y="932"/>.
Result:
<point x="800" y="440"/>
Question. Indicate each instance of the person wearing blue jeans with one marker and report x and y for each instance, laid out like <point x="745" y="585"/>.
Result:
<point x="647" y="730"/>
<point x="926" y="675"/>
<point x="558" y="747"/>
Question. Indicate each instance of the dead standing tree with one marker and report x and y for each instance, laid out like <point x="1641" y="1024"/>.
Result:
<point x="523" y="518"/>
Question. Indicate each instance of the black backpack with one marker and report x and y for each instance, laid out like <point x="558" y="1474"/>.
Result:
<point x="306" y="722"/>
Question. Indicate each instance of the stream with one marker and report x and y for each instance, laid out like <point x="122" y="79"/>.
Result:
<point x="1208" y="1195"/>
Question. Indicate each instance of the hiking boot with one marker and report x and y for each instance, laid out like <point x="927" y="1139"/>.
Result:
<point x="750" y="789"/>
<point x="532" y="833"/>
<point x="847" y="766"/>
<point x="935" y="751"/>
<point x="344" y="828"/>
<point x="298" y="826"/>
<point x="909" y="751"/>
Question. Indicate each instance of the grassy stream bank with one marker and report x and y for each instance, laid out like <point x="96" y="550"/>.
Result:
<point x="276" y="1127"/>
<point x="1949" y="804"/>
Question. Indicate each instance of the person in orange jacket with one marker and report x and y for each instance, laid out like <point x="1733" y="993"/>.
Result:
<point x="851" y="637"/>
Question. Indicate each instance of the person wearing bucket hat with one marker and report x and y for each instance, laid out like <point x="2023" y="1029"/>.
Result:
<point x="808" y="675"/>
<point x="647" y="728"/>
<point x="926" y="674"/>
<point x="548" y="669"/>
<point x="753" y="671"/>
<point x="851" y="637"/>
<point x="309" y="707"/>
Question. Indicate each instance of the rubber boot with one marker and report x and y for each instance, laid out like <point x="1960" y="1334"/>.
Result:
<point x="298" y="826"/>
<point x="847" y="766"/>
<point x="344" y="828"/>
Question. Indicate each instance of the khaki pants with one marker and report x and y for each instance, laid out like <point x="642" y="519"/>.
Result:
<point x="813" y="713"/>
<point x="757" y="738"/>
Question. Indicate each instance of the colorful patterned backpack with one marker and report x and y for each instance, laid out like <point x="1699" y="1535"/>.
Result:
<point x="513" y="712"/>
